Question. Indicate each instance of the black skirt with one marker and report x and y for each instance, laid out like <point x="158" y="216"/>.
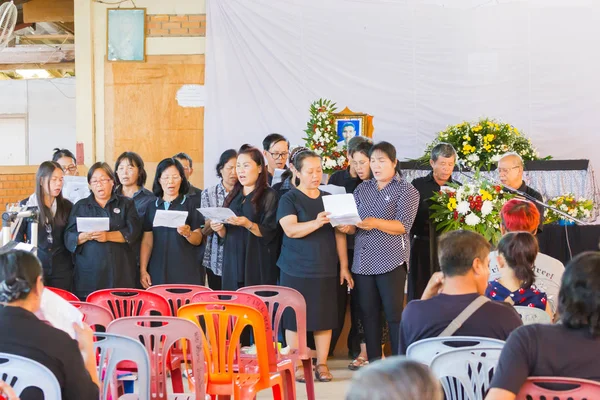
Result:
<point x="321" y="302"/>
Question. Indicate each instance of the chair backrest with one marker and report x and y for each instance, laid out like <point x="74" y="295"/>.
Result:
<point x="424" y="351"/>
<point x="158" y="335"/>
<point x="277" y="299"/>
<point x="68" y="296"/>
<point x="20" y="373"/>
<point x="548" y="276"/>
<point x="466" y="374"/>
<point x="130" y="302"/>
<point x="93" y="314"/>
<point x="178" y="295"/>
<point x="114" y="349"/>
<point x="220" y="356"/>
<point x="574" y="389"/>
<point x="533" y="315"/>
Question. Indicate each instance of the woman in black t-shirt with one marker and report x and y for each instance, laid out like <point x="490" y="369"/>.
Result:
<point x="308" y="262"/>
<point x="533" y="350"/>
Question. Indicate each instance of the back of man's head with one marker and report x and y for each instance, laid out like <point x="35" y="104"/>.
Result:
<point x="457" y="250"/>
<point x="520" y="216"/>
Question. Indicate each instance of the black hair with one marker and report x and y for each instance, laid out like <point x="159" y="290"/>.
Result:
<point x="355" y="141"/>
<point x="390" y="152"/>
<point x="225" y="157"/>
<point x="303" y="155"/>
<point x="45" y="171"/>
<point x="104" y="167"/>
<point x="135" y="160"/>
<point x="19" y="272"/>
<point x="288" y="172"/>
<point x="160" y="168"/>
<point x="261" y="184"/>
<point x="458" y="249"/>
<point x="184" y="156"/>
<point x="362" y="147"/>
<point x="579" y="295"/>
<point x="443" y="149"/>
<point x="60" y="153"/>
<point x="520" y="250"/>
<point x="273" y="139"/>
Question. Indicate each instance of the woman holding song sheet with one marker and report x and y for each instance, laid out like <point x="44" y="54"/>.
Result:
<point x="172" y="231"/>
<point x="309" y="258"/>
<point x="103" y="246"/>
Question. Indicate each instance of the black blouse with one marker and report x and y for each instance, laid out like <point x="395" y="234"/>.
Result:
<point x="248" y="259"/>
<point x="174" y="259"/>
<point x="110" y="264"/>
<point x="29" y="337"/>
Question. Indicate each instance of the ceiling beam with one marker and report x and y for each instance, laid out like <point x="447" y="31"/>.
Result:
<point x="61" y="66"/>
<point x="40" y="55"/>
<point x="49" y="11"/>
<point x="37" y="38"/>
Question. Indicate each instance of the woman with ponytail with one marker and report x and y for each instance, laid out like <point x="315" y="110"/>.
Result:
<point x="516" y="257"/>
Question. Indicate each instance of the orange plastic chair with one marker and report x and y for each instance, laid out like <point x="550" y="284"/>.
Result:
<point x="574" y="389"/>
<point x="277" y="299"/>
<point x="222" y="378"/>
<point x="178" y="295"/>
<point x="130" y="302"/>
<point x="68" y="296"/>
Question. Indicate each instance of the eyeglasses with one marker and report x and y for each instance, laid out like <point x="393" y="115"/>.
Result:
<point x="506" y="170"/>
<point x="277" y="156"/>
<point x="70" y="168"/>
<point x="170" y="178"/>
<point x="102" y="181"/>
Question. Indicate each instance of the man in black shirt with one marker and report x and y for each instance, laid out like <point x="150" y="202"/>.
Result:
<point x="464" y="258"/>
<point x="276" y="149"/>
<point x="423" y="260"/>
<point x="510" y="169"/>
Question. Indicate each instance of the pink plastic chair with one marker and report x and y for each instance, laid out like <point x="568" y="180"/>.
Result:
<point x="277" y="299"/>
<point x="130" y="302"/>
<point x="94" y="314"/>
<point x="575" y="389"/>
<point x="158" y="335"/>
<point x="68" y="296"/>
<point x="178" y="295"/>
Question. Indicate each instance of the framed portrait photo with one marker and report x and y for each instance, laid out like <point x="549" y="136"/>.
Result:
<point x="348" y="126"/>
<point x="126" y="34"/>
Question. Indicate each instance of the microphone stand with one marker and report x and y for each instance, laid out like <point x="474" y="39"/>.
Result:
<point x="10" y="216"/>
<point x="528" y="197"/>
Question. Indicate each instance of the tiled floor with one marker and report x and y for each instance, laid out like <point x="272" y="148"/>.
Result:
<point x="334" y="390"/>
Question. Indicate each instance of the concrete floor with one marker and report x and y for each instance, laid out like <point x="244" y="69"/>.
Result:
<point x="334" y="390"/>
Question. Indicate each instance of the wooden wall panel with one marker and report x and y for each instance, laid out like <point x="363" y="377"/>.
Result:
<point x="49" y="11"/>
<point x="142" y="113"/>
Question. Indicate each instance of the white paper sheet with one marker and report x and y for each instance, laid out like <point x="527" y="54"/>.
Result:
<point x="24" y="246"/>
<point x="277" y="176"/>
<point x="170" y="219"/>
<point x="333" y="189"/>
<point x="75" y="188"/>
<point x="88" y="224"/>
<point x="342" y="208"/>
<point x="216" y="214"/>
<point x="59" y="312"/>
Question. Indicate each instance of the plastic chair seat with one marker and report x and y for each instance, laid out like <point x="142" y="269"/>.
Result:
<point x="68" y="296"/>
<point x="21" y="372"/>
<point x="577" y="389"/>
<point x="425" y="350"/>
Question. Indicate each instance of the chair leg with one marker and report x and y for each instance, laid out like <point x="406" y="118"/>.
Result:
<point x="309" y="377"/>
<point x="290" y="383"/>
<point x="278" y="392"/>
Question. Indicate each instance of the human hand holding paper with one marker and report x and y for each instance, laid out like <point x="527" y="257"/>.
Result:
<point x="342" y="209"/>
<point x="170" y="219"/>
<point x="88" y="224"/>
<point x="216" y="214"/>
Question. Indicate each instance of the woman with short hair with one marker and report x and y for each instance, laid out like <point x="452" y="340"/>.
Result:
<point x="103" y="259"/>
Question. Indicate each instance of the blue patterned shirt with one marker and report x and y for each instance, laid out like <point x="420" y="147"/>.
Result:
<point x="213" y="255"/>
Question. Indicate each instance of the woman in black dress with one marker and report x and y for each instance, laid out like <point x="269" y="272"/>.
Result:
<point x="170" y="255"/>
<point x="251" y="245"/>
<point x="53" y="212"/>
<point x="103" y="259"/>
<point x="309" y="258"/>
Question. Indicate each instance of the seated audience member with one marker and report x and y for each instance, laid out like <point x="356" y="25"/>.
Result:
<point x="20" y="294"/>
<point x="535" y="350"/>
<point x="516" y="258"/>
<point x="464" y="258"/>
<point x="395" y="378"/>
<point x="522" y="216"/>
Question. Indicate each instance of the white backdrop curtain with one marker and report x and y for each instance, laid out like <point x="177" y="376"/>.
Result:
<point x="416" y="65"/>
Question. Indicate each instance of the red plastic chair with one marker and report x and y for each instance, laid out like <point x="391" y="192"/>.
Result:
<point x="575" y="389"/>
<point x="277" y="299"/>
<point x="178" y="295"/>
<point x="94" y="314"/>
<point x="222" y="378"/>
<point x="158" y="335"/>
<point x="68" y="296"/>
<point x="130" y="302"/>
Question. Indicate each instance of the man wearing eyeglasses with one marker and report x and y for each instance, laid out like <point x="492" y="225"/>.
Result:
<point x="276" y="151"/>
<point x="510" y="170"/>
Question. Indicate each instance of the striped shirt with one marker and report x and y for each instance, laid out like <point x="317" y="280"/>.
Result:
<point x="377" y="252"/>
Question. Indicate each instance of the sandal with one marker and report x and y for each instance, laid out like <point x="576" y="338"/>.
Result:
<point x="358" y="363"/>
<point x="322" y="373"/>
<point x="300" y="375"/>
